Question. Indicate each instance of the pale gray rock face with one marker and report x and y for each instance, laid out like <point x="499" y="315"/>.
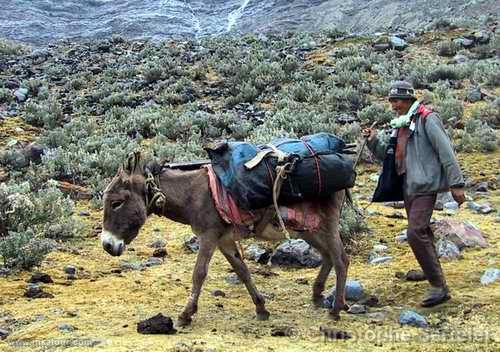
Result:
<point x="40" y="22"/>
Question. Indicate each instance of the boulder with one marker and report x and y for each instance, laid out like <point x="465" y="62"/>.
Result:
<point x="409" y="317"/>
<point x="21" y="94"/>
<point x="464" y="42"/>
<point x="296" y="253"/>
<point x="40" y="277"/>
<point x="442" y="198"/>
<point x="353" y="292"/>
<point x="462" y="234"/>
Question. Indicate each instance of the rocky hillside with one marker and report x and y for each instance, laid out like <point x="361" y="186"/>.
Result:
<point x="70" y="114"/>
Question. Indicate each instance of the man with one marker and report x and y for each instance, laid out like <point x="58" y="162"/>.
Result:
<point x="424" y="157"/>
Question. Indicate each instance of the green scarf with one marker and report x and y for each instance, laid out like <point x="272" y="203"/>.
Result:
<point x="405" y="120"/>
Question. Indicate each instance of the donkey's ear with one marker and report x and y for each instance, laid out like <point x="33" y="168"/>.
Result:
<point x="133" y="164"/>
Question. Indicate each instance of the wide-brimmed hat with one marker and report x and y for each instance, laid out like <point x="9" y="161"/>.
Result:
<point x="402" y="90"/>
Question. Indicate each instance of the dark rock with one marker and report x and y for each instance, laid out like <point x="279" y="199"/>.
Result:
<point x="283" y="331"/>
<point x="160" y="253"/>
<point x="296" y="253"/>
<point x="415" y="275"/>
<point x="131" y="266"/>
<point x="395" y="205"/>
<point x="333" y="334"/>
<point x="95" y="70"/>
<point x="381" y="46"/>
<point x="463" y="234"/>
<point x="447" y="249"/>
<point x="192" y="244"/>
<point x="35" y="291"/>
<point x="482" y="37"/>
<point x="302" y="281"/>
<point x="258" y="254"/>
<point x="474" y="95"/>
<point x="12" y="84"/>
<point x="370" y="301"/>
<point x="357" y="309"/>
<point x="218" y="293"/>
<point x="159" y="324"/>
<point x="490" y="276"/>
<point x="3" y="334"/>
<point x="33" y="152"/>
<point x="84" y="213"/>
<point x="70" y="270"/>
<point x="409" y="317"/>
<point x="40" y="277"/>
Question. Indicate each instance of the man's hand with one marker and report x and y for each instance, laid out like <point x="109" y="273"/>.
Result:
<point x="369" y="133"/>
<point x="458" y="194"/>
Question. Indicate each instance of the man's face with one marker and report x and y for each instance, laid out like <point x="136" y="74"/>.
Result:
<point x="400" y="106"/>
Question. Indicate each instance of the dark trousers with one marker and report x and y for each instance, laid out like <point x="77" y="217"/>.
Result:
<point x="420" y="237"/>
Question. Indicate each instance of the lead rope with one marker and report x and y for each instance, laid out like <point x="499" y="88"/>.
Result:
<point x="281" y="175"/>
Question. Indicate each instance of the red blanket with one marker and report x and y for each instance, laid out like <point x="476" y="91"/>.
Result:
<point x="302" y="216"/>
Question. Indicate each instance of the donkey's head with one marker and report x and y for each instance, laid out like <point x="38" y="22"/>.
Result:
<point x="125" y="208"/>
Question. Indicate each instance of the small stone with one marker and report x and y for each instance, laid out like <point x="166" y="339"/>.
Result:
<point x="409" y="317"/>
<point x="466" y="43"/>
<point x="153" y="261"/>
<point x="160" y="253"/>
<point x="490" y="276"/>
<point x="402" y="237"/>
<point x="450" y="205"/>
<point x="398" y="43"/>
<point x="380" y="248"/>
<point x="3" y="334"/>
<point x="40" y="277"/>
<point x="283" y="331"/>
<point x="376" y="317"/>
<point x="482" y="187"/>
<point x="447" y="249"/>
<point x="192" y="244"/>
<point x="459" y="59"/>
<point x="380" y="260"/>
<point x="302" y="281"/>
<point x="131" y="266"/>
<point x="333" y="334"/>
<point x="218" y="293"/>
<point x="415" y="275"/>
<point x="296" y="253"/>
<point x="233" y="279"/>
<point x="353" y="292"/>
<point x="70" y="270"/>
<point x="64" y="327"/>
<point x="84" y="213"/>
<point x="370" y="301"/>
<point x="357" y="309"/>
<point x="159" y="324"/>
<point x="396" y="215"/>
<point x="158" y="244"/>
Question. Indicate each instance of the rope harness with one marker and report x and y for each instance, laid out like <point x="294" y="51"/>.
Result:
<point x="158" y="198"/>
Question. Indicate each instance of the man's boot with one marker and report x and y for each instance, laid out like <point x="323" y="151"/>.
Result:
<point x="422" y="243"/>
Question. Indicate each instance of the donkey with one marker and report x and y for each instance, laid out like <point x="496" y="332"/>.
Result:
<point x="127" y="204"/>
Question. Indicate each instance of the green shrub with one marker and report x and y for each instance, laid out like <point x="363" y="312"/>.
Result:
<point x="47" y="114"/>
<point x="444" y="72"/>
<point x="10" y="48"/>
<point x="333" y="32"/>
<point x="5" y="96"/>
<point x="153" y="72"/>
<point x="24" y="250"/>
<point x="476" y="136"/>
<point x="448" y="48"/>
<point x="352" y="223"/>
<point x="450" y="110"/>
<point x="375" y="112"/>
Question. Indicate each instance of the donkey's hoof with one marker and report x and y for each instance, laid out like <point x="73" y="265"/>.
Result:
<point x="319" y="302"/>
<point x="183" y="322"/>
<point x="261" y="316"/>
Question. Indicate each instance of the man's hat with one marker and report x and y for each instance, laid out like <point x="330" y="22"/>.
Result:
<point x="402" y="90"/>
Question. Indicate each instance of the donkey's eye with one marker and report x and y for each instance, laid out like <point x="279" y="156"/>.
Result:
<point x="116" y="204"/>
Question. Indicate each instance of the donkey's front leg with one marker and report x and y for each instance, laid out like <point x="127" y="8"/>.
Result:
<point x="208" y="243"/>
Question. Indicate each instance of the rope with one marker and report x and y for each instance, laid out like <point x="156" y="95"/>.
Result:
<point x="281" y="175"/>
<point x="158" y="199"/>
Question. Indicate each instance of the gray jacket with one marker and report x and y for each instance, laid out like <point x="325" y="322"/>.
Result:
<point x="431" y="165"/>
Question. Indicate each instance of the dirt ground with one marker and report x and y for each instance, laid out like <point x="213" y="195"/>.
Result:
<point x="104" y="305"/>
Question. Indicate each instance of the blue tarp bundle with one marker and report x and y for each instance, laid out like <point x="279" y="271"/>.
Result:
<point x="320" y="169"/>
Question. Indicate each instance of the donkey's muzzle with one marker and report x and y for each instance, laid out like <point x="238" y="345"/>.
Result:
<point x="111" y="244"/>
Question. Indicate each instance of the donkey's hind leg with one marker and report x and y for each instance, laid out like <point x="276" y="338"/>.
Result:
<point x="208" y="244"/>
<point x="228" y="248"/>
<point x="326" y="267"/>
